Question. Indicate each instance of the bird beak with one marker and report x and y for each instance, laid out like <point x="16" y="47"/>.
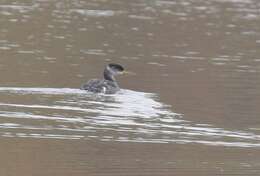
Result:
<point x="128" y="73"/>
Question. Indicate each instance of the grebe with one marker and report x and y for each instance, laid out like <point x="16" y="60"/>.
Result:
<point x="108" y="84"/>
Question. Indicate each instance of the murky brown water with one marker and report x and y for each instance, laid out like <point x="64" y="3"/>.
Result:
<point x="191" y="109"/>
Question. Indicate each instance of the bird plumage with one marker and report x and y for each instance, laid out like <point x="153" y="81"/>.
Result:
<point x="108" y="84"/>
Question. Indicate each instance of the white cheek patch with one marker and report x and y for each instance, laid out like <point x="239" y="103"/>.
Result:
<point x="110" y="70"/>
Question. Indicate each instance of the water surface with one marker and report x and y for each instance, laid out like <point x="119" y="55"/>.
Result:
<point x="191" y="108"/>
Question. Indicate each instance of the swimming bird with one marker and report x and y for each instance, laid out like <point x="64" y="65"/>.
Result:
<point x="108" y="84"/>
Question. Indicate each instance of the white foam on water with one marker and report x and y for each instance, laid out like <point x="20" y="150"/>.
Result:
<point x="128" y="116"/>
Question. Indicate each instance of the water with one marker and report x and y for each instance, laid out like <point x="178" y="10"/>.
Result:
<point x="127" y="116"/>
<point x="191" y="108"/>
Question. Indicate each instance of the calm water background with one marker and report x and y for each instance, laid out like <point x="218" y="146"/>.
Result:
<point x="191" y="108"/>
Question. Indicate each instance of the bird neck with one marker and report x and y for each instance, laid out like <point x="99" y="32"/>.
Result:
<point x="108" y="75"/>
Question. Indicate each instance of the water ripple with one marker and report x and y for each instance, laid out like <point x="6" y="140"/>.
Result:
<point x="95" y="13"/>
<point x="127" y="116"/>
